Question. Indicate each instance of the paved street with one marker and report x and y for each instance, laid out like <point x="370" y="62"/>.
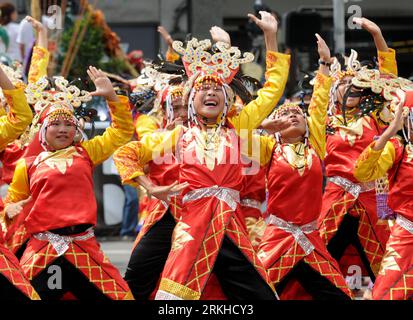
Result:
<point x="118" y="253"/>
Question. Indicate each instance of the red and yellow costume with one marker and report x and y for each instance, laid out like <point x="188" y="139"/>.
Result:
<point x="213" y="194"/>
<point x="395" y="277"/>
<point x="294" y="201"/>
<point x="53" y="179"/>
<point x="26" y="146"/>
<point x="343" y="195"/>
<point x="11" y="126"/>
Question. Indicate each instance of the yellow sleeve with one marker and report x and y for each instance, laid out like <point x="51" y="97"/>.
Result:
<point x="171" y="55"/>
<point x="120" y="132"/>
<point x="145" y="125"/>
<point x="17" y="119"/>
<point x="318" y="114"/>
<point x="266" y="146"/>
<point x="131" y="158"/>
<point x="387" y="61"/>
<point x="19" y="188"/>
<point x="257" y="110"/>
<point x="374" y="164"/>
<point x="38" y="64"/>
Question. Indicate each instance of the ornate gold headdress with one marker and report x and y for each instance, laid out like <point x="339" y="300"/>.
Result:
<point x="47" y="101"/>
<point x="220" y="67"/>
<point x="224" y="63"/>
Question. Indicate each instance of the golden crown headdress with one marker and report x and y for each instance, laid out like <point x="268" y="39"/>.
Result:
<point x="152" y="78"/>
<point x="38" y="95"/>
<point x="351" y="64"/>
<point x="224" y="63"/>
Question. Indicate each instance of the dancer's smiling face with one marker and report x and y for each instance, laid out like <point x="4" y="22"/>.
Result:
<point x="209" y="100"/>
<point x="60" y="133"/>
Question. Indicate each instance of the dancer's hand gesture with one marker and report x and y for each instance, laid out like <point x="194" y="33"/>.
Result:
<point x="102" y="83"/>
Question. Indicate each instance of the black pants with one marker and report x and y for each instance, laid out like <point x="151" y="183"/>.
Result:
<point x="148" y="258"/>
<point x="72" y="280"/>
<point x="346" y="235"/>
<point x="9" y="292"/>
<point x="319" y="287"/>
<point x="238" y="278"/>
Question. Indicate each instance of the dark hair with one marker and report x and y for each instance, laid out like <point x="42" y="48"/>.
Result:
<point x="6" y="10"/>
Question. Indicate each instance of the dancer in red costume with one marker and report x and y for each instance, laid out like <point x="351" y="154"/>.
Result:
<point x="214" y="239"/>
<point x="349" y="215"/>
<point x="28" y="143"/>
<point x="14" y="285"/>
<point x="291" y="247"/>
<point x="58" y="184"/>
<point x="393" y="154"/>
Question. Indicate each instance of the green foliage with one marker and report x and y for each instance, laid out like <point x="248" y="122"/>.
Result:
<point x="91" y="52"/>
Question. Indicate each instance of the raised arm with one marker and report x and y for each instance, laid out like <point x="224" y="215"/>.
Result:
<point x="121" y="129"/>
<point x="40" y="57"/>
<point x="319" y="101"/>
<point x="13" y="124"/>
<point x="277" y="68"/>
<point x="171" y="55"/>
<point x="386" y="55"/>
<point x="131" y="158"/>
<point x="380" y="155"/>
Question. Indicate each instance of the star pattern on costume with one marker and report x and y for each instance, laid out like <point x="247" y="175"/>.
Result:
<point x="354" y="129"/>
<point x="60" y="160"/>
<point x="180" y="236"/>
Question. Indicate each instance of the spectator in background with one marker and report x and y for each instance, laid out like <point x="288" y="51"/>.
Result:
<point x="25" y="40"/>
<point x="8" y="16"/>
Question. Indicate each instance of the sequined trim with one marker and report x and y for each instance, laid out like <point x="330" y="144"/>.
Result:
<point x="61" y="243"/>
<point x="298" y="232"/>
<point x="252" y="203"/>
<point x="404" y="223"/>
<point x="163" y="295"/>
<point x="353" y="188"/>
<point x="171" y="290"/>
<point x="229" y="196"/>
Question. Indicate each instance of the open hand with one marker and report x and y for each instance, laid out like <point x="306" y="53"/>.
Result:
<point x="102" y="83"/>
<point x="219" y="35"/>
<point x="267" y="23"/>
<point x="163" y="192"/>
<point x="14" y="209"/>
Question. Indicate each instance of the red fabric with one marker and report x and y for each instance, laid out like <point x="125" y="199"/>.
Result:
<point x="341" y="155"/>
<point x="13" y="153"/>
<point x="86" y="256"/>
<point x="55" y="192"/>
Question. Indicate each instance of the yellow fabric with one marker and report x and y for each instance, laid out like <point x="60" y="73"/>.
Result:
<point x="251" y="116"/>
<point x="17" y="119"/>
<point x="317" y="111"/>
<point x="387" y="61"/>
<point x="374" y="164"/>
<point x="19" y="188"/>
<point x="131" y="158"/>
<point x="145" y="125"/>
<point x="120" y="132"/>
<point x="38" y="64"/>
<point x="171" y="55"/>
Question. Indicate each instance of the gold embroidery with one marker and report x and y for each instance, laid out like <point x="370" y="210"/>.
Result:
<point x="353" y="130"/>
<point x="180" y="236"/>
<point x="61" y="159"/>
<point x="210" y="146"/>
<point x="389" y="261"/>
<point x="256" y="228"/>
<point x="299" y="156"/>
